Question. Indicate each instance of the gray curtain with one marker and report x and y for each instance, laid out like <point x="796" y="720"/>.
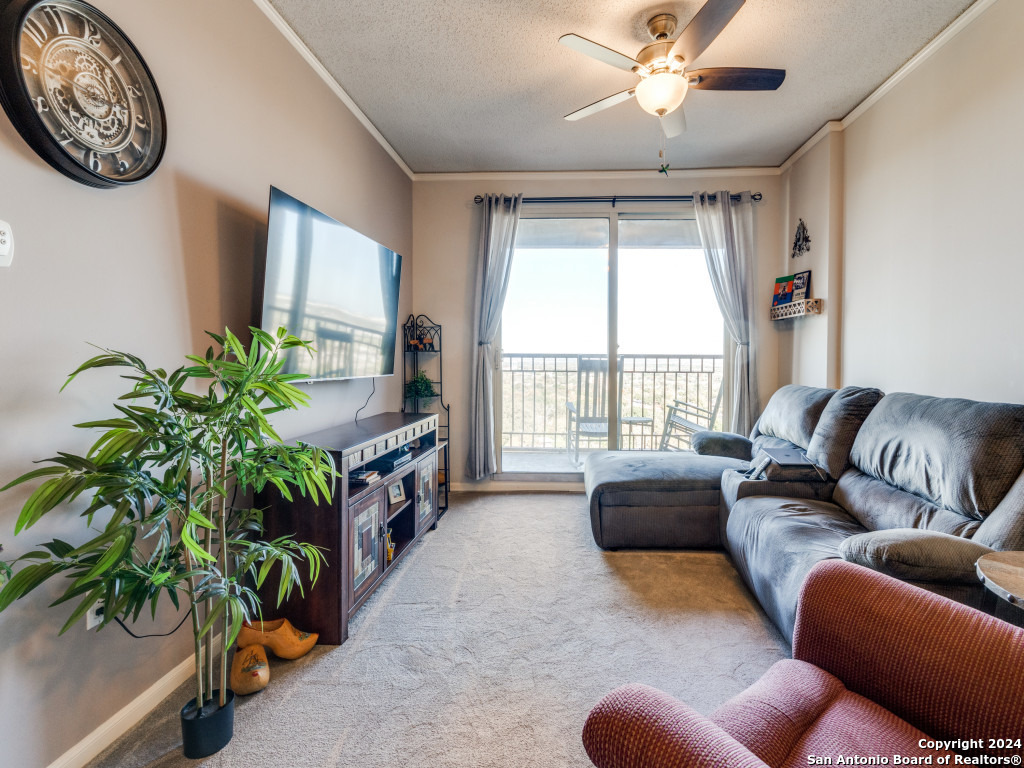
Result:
<point x="727" y="234"/>
<point x="494" y="262"/>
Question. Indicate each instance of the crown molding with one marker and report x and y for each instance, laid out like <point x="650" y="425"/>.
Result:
<point x="289" y="34"/>
<point x="694" y="173"/>
<point x="958" y="25"/>
<point x="832" y="126"/>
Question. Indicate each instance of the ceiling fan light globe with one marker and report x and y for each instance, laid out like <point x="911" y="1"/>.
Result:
<point x="662" y="93"/>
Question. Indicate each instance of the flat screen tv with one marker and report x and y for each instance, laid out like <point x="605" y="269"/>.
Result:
<point x="327" y="283"/>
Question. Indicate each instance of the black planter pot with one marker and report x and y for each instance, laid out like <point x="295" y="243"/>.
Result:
<point x="209" y="730"/>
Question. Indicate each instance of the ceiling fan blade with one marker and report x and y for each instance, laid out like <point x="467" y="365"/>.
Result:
<point x="736" y="79"/>
<point x="599" y="52"/>
<point x="673" y="124"/>
<point x="597" y="106"/>
<point x="704" y="28"/>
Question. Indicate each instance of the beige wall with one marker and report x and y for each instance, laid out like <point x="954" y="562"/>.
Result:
<point x="933" y="265"/>
<point x="147" y="269"/>
<point x="446" y="229"/>
<point x="812" y="190"/>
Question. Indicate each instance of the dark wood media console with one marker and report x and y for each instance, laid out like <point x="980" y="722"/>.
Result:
<point x="352" y="527"/>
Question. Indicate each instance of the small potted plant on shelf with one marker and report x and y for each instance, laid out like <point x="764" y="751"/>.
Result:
<point x="159" y="522"/>
<point x="420" y="386"/>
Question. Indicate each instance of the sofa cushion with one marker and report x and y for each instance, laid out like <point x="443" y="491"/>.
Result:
<point x="838" y="426"/>
<point x="708" y="443"/>
<point x="775" y="541"/>
<point x="911" y="554"/>
<point x="877" y="505"/>
<point x="791" y="415"/>
<point x="961" y="455"/>
<point x="797" y="710"/>
<point x="652" y="478"/>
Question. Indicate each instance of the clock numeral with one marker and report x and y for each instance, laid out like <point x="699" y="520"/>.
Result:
<point x="29" y="64"/>
<point x="91" y="34"/>
<point x="140" y="121"/>
<point x="55" y="16"/>
<point x="122" y="164"/>
<point x="41" y="105"/>
<point x="95" y="165"/>
<point x="36" y="31"/>
<point x="137" y="149"/>
<point x="65" y="137"/>
<point x="133" y="91"/>
<point x="116" y="60"/>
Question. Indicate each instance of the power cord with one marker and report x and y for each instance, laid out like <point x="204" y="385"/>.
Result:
<point x="373" y="382"/>
<point x="142" y="637"/>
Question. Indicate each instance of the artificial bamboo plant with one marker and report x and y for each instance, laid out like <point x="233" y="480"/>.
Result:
<point x="160" y="475"/>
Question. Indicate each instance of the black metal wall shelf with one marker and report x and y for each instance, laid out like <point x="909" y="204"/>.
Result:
<point x="422" y="346"/>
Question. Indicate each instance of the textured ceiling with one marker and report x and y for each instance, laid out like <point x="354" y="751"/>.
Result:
<point x="482" y="85"/>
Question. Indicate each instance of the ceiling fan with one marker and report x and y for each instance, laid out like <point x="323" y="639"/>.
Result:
<point x="661" y="66"/>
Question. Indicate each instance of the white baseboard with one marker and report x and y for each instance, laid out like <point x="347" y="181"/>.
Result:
<point x="85" y="750"/>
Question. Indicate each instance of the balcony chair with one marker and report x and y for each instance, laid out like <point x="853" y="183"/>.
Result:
<point x="684" y="419"/>
<point x="589" y="420"/>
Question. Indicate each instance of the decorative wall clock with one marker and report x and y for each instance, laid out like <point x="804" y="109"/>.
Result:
<point x="79" y="92"/>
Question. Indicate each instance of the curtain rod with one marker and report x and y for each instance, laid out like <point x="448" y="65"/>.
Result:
<point x="613" y="199"/>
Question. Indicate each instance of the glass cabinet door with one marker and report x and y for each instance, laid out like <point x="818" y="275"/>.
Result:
<point x="426" y="502"/>
<point x="366" y="546"/>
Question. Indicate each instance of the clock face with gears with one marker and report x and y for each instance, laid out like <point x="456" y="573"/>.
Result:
<point x="79" y="92"/>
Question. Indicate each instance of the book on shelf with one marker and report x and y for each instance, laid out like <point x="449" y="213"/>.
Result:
<point x="783" y="290"/>
<point x="363" y="477"/>
<point x="801" y="286"/>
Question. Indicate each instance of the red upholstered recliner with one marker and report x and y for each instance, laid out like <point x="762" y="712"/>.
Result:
<point x="878" y="666"/>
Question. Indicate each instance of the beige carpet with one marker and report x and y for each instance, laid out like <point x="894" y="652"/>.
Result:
<point x="487" y="647"/>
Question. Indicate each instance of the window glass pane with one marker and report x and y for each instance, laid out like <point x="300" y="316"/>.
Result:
<point x="557" y="300"/>
<point x="658" y="233"/>
<point x="670" y="335"/>
<point x="562" y="233"/>
<point x="666" y="303"/>
<point x="555" y="315"/>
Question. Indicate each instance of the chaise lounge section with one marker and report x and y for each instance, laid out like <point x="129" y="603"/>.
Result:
<point x="643" y="499"/>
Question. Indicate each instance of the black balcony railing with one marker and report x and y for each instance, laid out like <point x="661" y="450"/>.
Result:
<point x="536" y="388"/>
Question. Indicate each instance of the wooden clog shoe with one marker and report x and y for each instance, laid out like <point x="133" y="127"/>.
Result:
<point x="250" y="671"/>
<point x="278" y="636"/>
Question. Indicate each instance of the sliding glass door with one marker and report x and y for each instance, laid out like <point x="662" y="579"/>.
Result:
<point x="614" y="308"/>
<point x="555" y="319"/>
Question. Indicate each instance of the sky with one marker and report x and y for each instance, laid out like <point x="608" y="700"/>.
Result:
<point x="557" y="302"/>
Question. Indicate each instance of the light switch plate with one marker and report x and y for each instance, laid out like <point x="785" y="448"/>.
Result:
<point x="6" y="244"/>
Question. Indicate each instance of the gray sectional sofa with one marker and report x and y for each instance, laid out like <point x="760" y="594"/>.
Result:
<point x="913" y="486"/>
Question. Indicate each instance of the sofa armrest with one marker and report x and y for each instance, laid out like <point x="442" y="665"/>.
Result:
<point x="736" y="485"/>
<point x="637" y="725"/>
<point x="947" y="669"/>
<point x="912" y="554"/>
<point x="729" y="444"/>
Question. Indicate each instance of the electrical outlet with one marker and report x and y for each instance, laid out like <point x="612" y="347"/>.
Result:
<point x="95" y="616"/>
<point x="6" y="244"/>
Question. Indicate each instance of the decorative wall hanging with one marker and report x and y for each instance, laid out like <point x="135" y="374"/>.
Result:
<point x="79" y="92"/>
<point x="801" y="241"/>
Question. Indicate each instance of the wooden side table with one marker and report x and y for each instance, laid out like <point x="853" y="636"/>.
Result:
<point x="1003" y="573"/>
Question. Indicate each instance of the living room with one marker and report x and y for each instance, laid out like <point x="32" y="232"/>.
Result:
<point x="902" y="195"/>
